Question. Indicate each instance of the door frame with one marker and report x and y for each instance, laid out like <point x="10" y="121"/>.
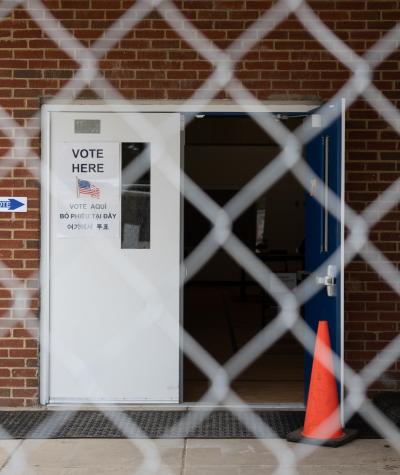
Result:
<point x="151" y="106"/>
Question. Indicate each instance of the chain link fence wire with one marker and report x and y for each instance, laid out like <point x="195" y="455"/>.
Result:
<point x="289" y="160"/>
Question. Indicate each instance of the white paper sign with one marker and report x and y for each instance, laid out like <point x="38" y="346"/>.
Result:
<point x="86" y="183"/>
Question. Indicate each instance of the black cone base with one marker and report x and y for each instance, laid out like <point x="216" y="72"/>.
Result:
<point x="297" y="436"/>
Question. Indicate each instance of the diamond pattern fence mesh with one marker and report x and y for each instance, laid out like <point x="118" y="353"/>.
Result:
<point x="289" y="160"/>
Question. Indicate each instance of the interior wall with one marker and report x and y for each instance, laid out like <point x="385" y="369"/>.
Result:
<point x="222" y="170"/>
<point x="231" y="167"/>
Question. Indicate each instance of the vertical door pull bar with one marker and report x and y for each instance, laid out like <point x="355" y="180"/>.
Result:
<point x="325" y="245"/>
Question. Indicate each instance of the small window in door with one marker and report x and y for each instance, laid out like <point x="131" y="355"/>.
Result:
<point x="135" y="195"/>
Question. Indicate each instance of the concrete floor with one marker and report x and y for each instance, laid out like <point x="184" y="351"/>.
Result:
<point x="190" y="457"/>
<point x="275" y="377"/>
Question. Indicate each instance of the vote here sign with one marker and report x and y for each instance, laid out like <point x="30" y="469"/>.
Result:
<point x="86" y="188"/>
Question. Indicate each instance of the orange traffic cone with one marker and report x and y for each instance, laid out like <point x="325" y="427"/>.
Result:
<point x="322" y="422"/>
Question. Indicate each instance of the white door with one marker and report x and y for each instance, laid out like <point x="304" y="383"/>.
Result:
<point x="114" y="257"/>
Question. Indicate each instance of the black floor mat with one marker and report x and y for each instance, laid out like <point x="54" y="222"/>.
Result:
<point x="154" y="424"/>
<point x="389" y="404"/>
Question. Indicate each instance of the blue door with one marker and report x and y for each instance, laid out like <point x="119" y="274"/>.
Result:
<point x="323" y="237"/>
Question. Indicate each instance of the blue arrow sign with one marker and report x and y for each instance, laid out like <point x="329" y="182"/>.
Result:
<point x="13" y="204"/>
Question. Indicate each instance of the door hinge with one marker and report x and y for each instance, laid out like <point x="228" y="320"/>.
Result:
<point x="183" y="122"/>
<point x="316" y="120"/>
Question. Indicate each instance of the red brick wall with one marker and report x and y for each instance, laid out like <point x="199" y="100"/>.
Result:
<point x="153" y="62"/>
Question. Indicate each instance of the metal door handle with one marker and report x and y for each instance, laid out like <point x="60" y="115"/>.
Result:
<point x="328" y="281"/>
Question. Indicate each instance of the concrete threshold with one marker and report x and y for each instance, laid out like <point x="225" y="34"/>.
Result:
<point x="159" y="407"/>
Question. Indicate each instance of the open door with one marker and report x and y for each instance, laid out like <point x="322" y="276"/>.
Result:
<point x="324" y="235"/>
<point x="114" y="258"/>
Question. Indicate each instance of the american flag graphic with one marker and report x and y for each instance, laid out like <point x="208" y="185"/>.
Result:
<point x="86" y="188"/>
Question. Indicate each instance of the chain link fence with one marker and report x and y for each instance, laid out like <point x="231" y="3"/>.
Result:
<point x="289" y="160"/>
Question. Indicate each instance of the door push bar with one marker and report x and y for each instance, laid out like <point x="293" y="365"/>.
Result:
<point x="329" y="280"/>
